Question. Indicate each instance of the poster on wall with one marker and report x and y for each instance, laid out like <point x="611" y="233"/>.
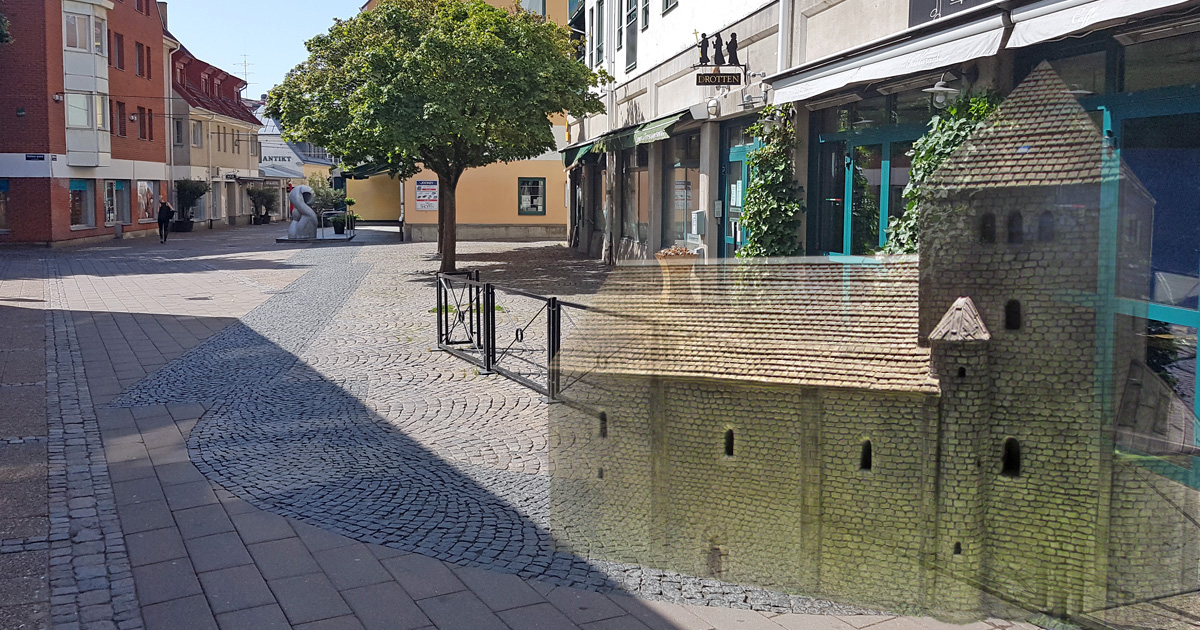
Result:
<point x="427" y="194"/>
<point x="683" y="195"/>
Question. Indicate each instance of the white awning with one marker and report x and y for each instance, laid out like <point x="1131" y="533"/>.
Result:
<point x="977" y="39"/>
<point x="1053" y="19"/>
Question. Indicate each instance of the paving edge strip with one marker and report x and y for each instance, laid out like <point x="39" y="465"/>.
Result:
<point x="90" y="576"/>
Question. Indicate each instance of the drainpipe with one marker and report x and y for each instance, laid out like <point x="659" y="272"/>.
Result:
<point x="785" y="34"/>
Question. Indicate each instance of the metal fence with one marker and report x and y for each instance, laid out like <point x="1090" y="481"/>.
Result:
<point x="507" y="331"/>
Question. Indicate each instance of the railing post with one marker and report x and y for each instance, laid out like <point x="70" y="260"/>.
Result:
<point x="489" y="327"/>
<point x="440" y="300"/>
<point x="553" y="330"/>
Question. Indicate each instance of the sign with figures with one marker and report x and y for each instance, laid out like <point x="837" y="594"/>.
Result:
<point x="427" y="194"/>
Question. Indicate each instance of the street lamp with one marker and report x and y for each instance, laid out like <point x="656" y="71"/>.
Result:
<point x="942" y="93"/>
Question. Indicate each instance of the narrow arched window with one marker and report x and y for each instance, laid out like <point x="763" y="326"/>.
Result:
<point x="1011" y="460"/>
<point x="962" y="372"/>
<point x="1046" y="227"/>
<point x="958" y="549"/>
<point x="603" y="424"/>
<point x="864" y="458"/>
<point x="1016" y="227"/>
<point x="729" y="443"/>
<point x="987" y="228"/>
<point x="1012" y="315"/>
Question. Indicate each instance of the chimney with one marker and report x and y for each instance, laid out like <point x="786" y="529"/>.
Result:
<point x="162" y="11"/>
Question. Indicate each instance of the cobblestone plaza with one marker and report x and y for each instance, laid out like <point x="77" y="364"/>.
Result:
<point x="223" y="432"/>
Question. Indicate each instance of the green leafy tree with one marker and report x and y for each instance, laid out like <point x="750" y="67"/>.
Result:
<point x="187" y="193"/>
<point x="325" y="197"/>
<point x="947" y="132"/>
<point x="772" y="209"/>
<point x="445" y="84"/>
<point x="5" y="31"/>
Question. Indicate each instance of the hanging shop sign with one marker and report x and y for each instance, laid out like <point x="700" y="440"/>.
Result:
<point x="719" y="78"/>
<point x="723" y="55"/>
<point x="427" y="194"/>
<point x="925" y="11"/>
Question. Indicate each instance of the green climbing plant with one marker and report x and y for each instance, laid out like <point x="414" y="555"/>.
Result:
<point x="772" y="208"/>
<point x="947" y="131"/>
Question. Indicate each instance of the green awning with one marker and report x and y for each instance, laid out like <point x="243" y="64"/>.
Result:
<point x="616" y="141"/>
<point x="571" y="155"/>
<point x="655" y="130"/>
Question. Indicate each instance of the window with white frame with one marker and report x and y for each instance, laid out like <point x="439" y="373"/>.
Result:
<point x="79" y="110"/>
<point x="101" y="111"/>
<point x="535" y="6"/>
<point x="669" y="4"/>
<point x="179" y="132"/>
<point x="591" y="29"/>
<point x="197" y="133"/>
<point x="645" y="14"/>
<point x="76" y="35"/>
<point x="100" y="36"/>
<point x="600" y="33"/>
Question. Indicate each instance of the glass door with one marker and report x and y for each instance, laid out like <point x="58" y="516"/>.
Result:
<point x="110" y="203"/>
<point x="867" y="179"/>
<point x="735" y="195"/>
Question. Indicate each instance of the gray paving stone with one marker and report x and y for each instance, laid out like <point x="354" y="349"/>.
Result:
<point x="188" y="613"/>
<point x="141" y="517"/>
<point x="348" y="622"/>
<point x="138" y="490"/>
<point x="500" y="591"/>
<point x="235" y="588"/>
<point x="283" y="558"/>
<point x="460" y="610"/>
<point x="351" y="567"/>
<point x="150" y="547"/>
<point x="307" y="598"/>
<point x="616" y="623"/>
<point x="423" y="577"/>
<point x="257" y="526"/>
<point x="219" y="551"/>
<point x="385" y="607"/>
<point x="537" y="617"/>
<point x="582" y="606"/>
<point x="317" y="539"/>
<point x="165" y="581"/>
<point x="261" y="618"/>
<point x="189" y="495"/>
<point x="129" y="471"/>
<point x="205" y="520"/>
<point x="177" y="473"/>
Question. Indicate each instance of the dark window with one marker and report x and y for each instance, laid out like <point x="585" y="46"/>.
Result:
<point x="987" y="228"/>
<point x="600" y="473"/>
<point x="1016" y="227"/>
<point x="141" y="119"/>
<point x="1012" y="458"/>
<point x="116" y="52"/>
<point x="1046" y="227"/>
<point x="962" y="372"/>
<point x="864" y="458"/>
<point x="603" y="424"/>
<point x="122" y="119"/>
<point x="140" y="68"/>
<point x="150" y="124"/>
<point x="1012" y="315"/>
<point x="958" y="549"/>
<point x="729" y="443"/>
<point x="631" y="30"/>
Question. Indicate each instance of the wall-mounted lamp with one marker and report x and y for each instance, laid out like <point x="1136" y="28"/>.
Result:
<point x="133" y="118"/>
<point x="942" y="93"/>
<point x="749" y="101"/>
<point x="57" y="98"/>
<point x="714" y="107"/>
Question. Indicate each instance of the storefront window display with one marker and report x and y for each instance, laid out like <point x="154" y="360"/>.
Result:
<point x="635" y="207"/>
<point x="147" y="200"/>
<point x="681" y="173"/>
<point x="83" y="210"/>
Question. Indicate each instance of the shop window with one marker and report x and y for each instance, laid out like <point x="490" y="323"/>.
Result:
<point x="1162" y="63"/>
<point x="681" y="172"/>
<point x="1016" y="227"/>
<point x="1012" y="315"/>
<point x="912" y="107"/>
<point x="729" y="443"/>
<point x="4" y="199"/>
<point x="531" y="195"/>
<point x="83" y="208"/>
<point x="147" y="200"/>
<point x="1046" y="227"/>
<point x="635" y="207"/>
<point x="1010" y="465"/>
<point x="871" y="112"/>
<point x="987" y="228"/>
<point x="865" y="456"/>
<point x="1085" y="75"/>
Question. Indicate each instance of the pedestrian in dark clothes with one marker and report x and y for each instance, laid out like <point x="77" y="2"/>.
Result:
<point x="165" y="214"/>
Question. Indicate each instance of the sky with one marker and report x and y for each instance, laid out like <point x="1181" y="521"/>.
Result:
<point x="270" y="33"/>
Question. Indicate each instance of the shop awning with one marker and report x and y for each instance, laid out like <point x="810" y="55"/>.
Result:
<point x="571" y="155"/>
<point x="616" y="141"/>
<point x="981" y="38"/>
<point x="656" y="130"/>
<point x="1052" y="19"/>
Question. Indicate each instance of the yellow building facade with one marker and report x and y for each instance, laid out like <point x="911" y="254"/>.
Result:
<point x="523" y="200"/>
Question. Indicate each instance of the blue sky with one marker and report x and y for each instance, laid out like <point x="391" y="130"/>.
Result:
<point x="271" y="33"/>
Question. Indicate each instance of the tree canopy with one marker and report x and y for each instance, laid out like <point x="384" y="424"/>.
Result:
<point x="445" y="84"/>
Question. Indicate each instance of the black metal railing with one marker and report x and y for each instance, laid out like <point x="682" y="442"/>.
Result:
<point x="511" y="332"/>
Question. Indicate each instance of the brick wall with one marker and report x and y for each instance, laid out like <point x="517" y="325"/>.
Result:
<point x="147" y="92"/>
<point x="32" y="74"/>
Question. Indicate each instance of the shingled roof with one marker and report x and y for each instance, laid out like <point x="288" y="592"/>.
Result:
<point x="821" y="324"/>
<point x="961" y="323"/>
<point x="1039" y="136"/>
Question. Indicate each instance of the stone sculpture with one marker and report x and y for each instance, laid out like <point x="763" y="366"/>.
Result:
<point x="304" y="220"/>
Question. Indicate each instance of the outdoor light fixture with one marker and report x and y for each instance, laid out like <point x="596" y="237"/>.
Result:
<point x="942" y="93"/>
<point x="58" y="98"/>
<point x="714" y="107"/>
<point x="1079" y="92"/>
<point x="133" y="117"/>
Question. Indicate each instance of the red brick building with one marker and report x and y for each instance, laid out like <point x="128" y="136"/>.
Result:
<point x="83" y="92"/>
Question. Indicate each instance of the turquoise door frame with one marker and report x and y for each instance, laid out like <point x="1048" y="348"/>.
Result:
<point x="731" y="233"/>
<point x="884" y="137"/>
<point x="1115" y="110"/>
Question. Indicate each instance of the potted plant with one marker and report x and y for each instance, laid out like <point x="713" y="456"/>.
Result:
<point x="187" y="193"/>
<point x="338" y="221"/>
<point x="676" y="263"/>
<point x="265" y="201"/>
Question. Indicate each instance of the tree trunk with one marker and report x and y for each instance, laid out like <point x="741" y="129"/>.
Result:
<point x="608" y="252"/>
<point x="448" y="201"/>
<point x="441" y="220"/>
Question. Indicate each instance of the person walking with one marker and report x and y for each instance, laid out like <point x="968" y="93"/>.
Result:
<point x="165" y="213"/>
